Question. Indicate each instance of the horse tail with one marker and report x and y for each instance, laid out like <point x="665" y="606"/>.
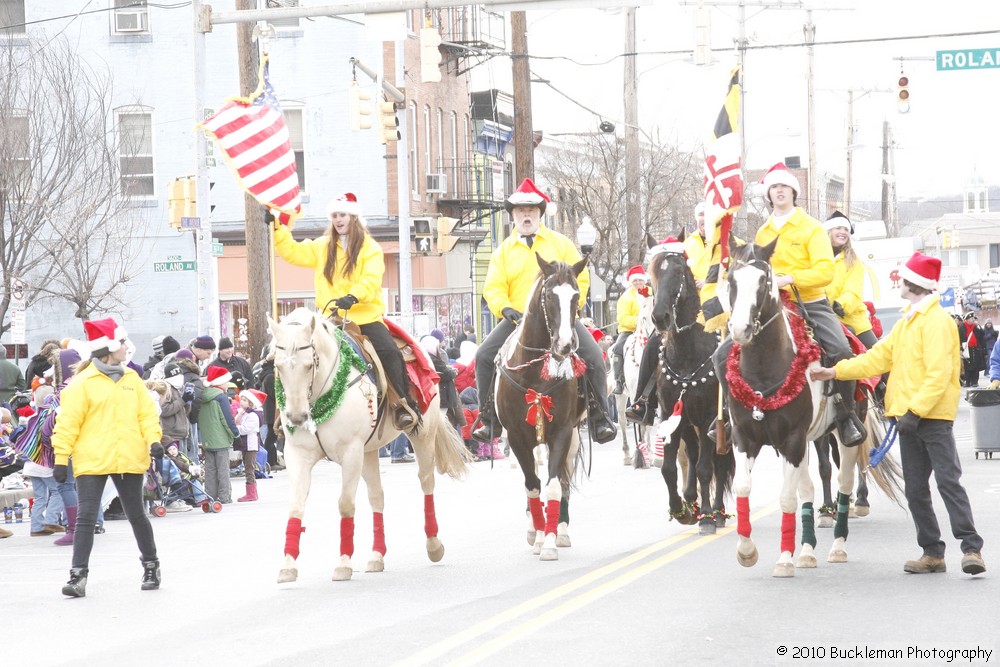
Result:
<point x="450" y="454"/>
<point x="725" y="471"/>
<point x="888" y="474"/>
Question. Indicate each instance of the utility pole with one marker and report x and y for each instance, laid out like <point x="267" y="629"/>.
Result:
<point x="810" y="36"/>
<point x="208" y="298"/>
<point x="885" y="178"/>
<point x="524" y="135"/>
<point x="633" y="221"/>
<point x="850" y="153"/>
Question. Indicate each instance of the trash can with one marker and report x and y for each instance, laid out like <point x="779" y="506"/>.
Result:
<point x="984" y="406"/>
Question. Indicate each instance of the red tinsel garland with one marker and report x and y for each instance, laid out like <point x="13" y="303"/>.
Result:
<point x="795" y="381"/>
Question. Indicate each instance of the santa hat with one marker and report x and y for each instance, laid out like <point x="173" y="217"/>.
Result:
<point x="345" y="203"/>
<point x="838" y="219"/>
<point x="217" y="376"/>
<point x="669" y="244"/>
<point x="779" y="174"/>
<point x="922" y="270"/>
<point x="527" y="195"/>
<point x="636" y="272"/>
<point x="255" y="397"/>
<point x="104" y="336"/>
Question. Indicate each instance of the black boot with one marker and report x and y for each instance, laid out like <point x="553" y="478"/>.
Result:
<point x="849" y="428"/>
<point x="150" y="575"/>
<point x="489" y="426"/>
<point x="637" y="411"/>
<point x="602" y="428"/>
<point x="76" y="587"/>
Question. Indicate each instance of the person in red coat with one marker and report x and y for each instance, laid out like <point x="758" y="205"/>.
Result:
<point x="466" y="366"/>
<point x="470" y="407"/>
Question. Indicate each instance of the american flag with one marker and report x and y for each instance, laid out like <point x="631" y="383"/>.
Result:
<point x="252" y="134"/>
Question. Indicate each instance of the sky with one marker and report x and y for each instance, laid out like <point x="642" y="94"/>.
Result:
<point x="945" y="138"/>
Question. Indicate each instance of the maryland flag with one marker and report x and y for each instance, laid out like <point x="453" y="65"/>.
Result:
<point x="723" y="197"/>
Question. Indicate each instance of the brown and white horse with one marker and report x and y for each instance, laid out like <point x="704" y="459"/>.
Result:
<point x="329" y="410"/>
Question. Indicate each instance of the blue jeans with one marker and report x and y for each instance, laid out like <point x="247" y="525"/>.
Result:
<point x="399" y="446"/>
<point x="48" y="503"/>
<point x="67" y="489"/>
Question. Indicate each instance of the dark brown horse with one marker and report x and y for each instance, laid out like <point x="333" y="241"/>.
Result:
<point x="539" y="402"/>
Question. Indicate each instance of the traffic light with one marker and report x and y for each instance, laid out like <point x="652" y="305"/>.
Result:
<point x="422" y="234"/>
<point x="175" y="202"/>
<point x="430" y="55"/>
<point x="444" y="236"/>
<point x="190" y="198"/>
<point x="903" y="93"/>
<point x="388" y="122"/>
<point x="359" y="108"/>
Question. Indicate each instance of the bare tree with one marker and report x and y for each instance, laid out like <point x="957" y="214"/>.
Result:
<point x="70" y="229"/>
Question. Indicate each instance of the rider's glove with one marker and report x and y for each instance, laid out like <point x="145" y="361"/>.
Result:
<point x="907" y="424"/>
<point x="644" y="290"/>
<point x="511" y="315"/>
<point x="838" y="309"/>
<point x="346" y="302"/>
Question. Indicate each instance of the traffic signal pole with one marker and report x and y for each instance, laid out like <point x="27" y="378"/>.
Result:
<point x="208" y="297"/>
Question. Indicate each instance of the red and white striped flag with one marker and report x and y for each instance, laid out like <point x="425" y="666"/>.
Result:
<point x="252" y="134"/>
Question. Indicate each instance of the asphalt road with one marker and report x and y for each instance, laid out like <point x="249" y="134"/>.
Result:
<point x="634" y="589"/>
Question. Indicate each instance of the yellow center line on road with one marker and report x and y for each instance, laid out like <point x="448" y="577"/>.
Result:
<point x="489" y="648"/>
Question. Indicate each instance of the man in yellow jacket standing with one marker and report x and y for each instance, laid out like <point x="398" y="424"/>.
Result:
<point x="509" y="279"/>
<point x="107" y="422"/>
<point x="922" y="394"/>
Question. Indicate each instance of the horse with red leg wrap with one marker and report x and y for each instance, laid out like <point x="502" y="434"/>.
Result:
<point x="330" y="409"/>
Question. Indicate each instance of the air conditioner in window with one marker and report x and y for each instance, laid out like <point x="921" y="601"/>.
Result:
<point x="437" y="184"/>
<point x="130" y="22"/>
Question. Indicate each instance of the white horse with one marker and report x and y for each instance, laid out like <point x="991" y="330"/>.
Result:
<point x="329" y="408"/>
<point x="632" y="357"/>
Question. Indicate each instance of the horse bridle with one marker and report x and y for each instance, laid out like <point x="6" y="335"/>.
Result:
<point x="315" y="360"/>
<point x="755" y="325"/>
<point x="677" y="300"/>
<point x="548" y="330"/>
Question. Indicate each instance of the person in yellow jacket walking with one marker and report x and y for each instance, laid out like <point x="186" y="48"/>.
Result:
<point x="348" y="265"/>
<point x="922" y="394"/>
<point x="509" y="279"/>
<point x="803" y="261"/>
<point x="628" y="320"/>
<point x="107" y="423"/>
<point x="846" y="291"/>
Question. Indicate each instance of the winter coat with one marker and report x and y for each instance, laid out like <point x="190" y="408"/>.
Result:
<point x="628" y="310"/>
<point x="364" y="282"/>
<point x="106" y="426"/>
<point x="470" y="408"/>
<point x="694" y="247"/>
<point x="215" y="420"/>
<point x="248" y="424"/>
<point x="11" y="380"/>
<point x="235" y="364"/>
<point x="803" y="252"/>
<point x="174" y="416"/>
<point x="149" y="365"/>
<point x="466" y="376"/>
<point x="923" y="354"/>
<point x="266" y="385"/>
<point x="847" y="289"/>
<point x="192" y="378"/>
<point x="36" y="368"/>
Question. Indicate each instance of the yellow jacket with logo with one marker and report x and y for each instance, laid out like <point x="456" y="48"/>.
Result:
<point x="694" y="247"/>
<point x="803" y="252"/>
<point x="628" y="310"/>
<point x="364" y="282"/>
<point x="106" y="426"/>
<point x="513" y="269"/>
<point x="847" y="289"/>
<point x="923" y="354"/>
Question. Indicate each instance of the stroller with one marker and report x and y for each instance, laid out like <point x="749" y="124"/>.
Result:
<point x="164" y="485"/>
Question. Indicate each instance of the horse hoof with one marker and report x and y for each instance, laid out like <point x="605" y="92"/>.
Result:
<point x="837" y="556"/>
<point x="287" y="575"/>
<point x="375" y="565"/>
<point x="435" y="550"/>
<point x="825" y="521"/>
<point x="861" y="510"/>
<point x="628" y="459"/>
<point x="783" y="570"/>
<point x="688" y="519"/>
<point x="747" y="560"/>
<point x="548" y="554"/>
<point x="706" y="527"/>
<point x="657" y="462"/>
<point x="563" y="541"/>
<point x="536" y="548"/>
<point x="720" y="522"/>
<point x="806" y="560"/>
<point x="342" y="573"/>
<point x="532" y="536"/>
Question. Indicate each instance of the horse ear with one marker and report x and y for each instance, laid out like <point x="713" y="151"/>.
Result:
<point x="311" y="328"/>
<point x="732" y="245"/>
<point x="682" y="235"/>
<point x="768" y="250"/>
<point x="581" y="265"/>
<point x="650" y="241"/>
<point x="272" y="326"/>
<point x="547" y="268"/>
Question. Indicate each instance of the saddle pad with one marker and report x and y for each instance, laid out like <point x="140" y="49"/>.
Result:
<point x="419" y="368"/>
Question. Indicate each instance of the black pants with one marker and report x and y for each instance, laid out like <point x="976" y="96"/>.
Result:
<point x="90" y="488"/>
<point x="389" y="355"/>
<point x="618" y="355"/>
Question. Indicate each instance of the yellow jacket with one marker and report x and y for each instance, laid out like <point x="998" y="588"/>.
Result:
<point x="803" y="252"/>
<point x="923" y="354"/>
<point x="847" y="289"/>
<point x="694" y="247"/>
<point x="628" y="310"/>
<point x="365" y="281"/>
<point x="513" y="269"/>
<point x="106" y="426"/>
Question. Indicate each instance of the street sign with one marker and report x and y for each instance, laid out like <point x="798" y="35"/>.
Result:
<point x="217" y="249"/>
<point x="165" y="267"/>
<point x="968" y="59"/>
<point x="18" y="327"/>
<point x="190" y="223"/>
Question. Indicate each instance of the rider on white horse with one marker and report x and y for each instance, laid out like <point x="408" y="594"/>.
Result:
<point x="509" y="281"/>
<point x="628" y="319"/>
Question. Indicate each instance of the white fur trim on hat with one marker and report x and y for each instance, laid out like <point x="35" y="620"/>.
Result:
<point x="345" y="203"/>
<point x="636" y="273"/>
<point x="922" y="270"/>
<point x="666" y="245"/>
<point x="779" y="174"/>
<point x="836" y="223"/>
<point x="104" y="334"/>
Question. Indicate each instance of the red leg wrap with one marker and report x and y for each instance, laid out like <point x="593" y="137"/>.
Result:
<point x="347" y="536"/>
<point x="537" y="514"/>
<point x="551" y="516"/>
<point x="788" y="531"/>
<point x="379" y="542"/>
<point x="743" y="516"/>
<point x="430" y="519"/>
<point x="292" y="532"/>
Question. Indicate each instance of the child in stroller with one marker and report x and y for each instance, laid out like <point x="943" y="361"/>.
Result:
<point x="177" y="481"/>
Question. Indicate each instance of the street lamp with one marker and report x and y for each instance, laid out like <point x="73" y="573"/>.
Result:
<point x="586" y="234"/>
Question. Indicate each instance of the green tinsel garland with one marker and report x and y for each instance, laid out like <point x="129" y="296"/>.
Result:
<point x="327" y="404"/>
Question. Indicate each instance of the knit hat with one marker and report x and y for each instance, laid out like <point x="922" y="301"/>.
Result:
<point x="158" y="346"/>
<point x="922" y="270"/>
<point x="779" y="174"/>
<point x="636" y="273"/>
<point x="255" y="397"/>
<point x="437" y="333"/>
<point x="67" y="359"/>
<point x="174" y="376"/>
<point x="345" y="203"/>
<point x="184" y="354"/>
<point x="170" y="345"/>
<point x="217" y="376"/>
<point x="225" y="343"/>
<point x="104" y="336"/>
<point x="527" y="195"/>
<point x="838" y="219"/>
<point x="204" y="343"/>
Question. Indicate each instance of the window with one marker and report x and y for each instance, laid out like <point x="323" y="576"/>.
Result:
<point x="130" y="17"/>
<point x="283" y="23"/>
<point x="135" y="152"/>
<point x="296" y="133"/>
<point x="955" y="258"/>
<point x="411" y="140"/>
<point x="427" y="139"/>
<point x="12" y="17"/>
<point x="440" y="142"/>
<point x="16" y="156"/>
<point x="454" y="151"/>
<point x="994" y="255"/>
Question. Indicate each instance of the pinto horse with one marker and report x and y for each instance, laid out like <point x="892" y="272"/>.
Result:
<point x="688" y="391"/>
<point x="773" y="402"/>
<point x="329" y="410"/>
<point x="538" y="399"/>
<point x="631" y="358"/>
